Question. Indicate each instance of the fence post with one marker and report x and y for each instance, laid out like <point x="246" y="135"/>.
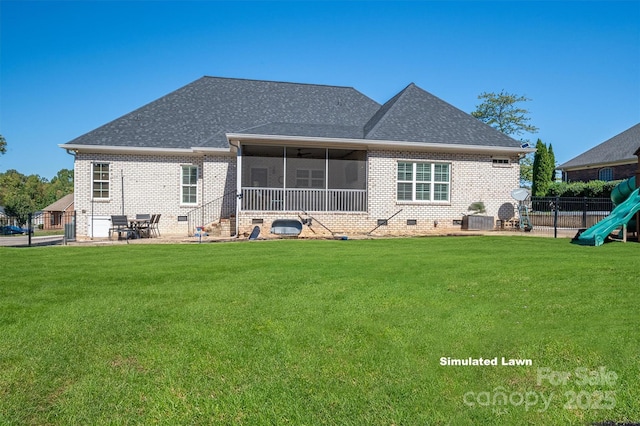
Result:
<point x="584" y="212"/>
<point x="29" y="218"/>
<point x="556" y="204"/>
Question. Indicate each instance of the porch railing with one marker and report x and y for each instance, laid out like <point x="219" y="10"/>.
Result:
<point x="299" y="199"/>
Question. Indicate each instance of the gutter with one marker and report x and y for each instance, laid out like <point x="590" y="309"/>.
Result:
<point x="111" y="149"/>
<point x="380" y="144"/>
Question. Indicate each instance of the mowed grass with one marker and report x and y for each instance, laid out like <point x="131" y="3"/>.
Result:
<point x="320" y="332"/>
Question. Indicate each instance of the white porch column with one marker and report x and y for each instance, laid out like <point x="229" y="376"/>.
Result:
<point x="238" y="185"/>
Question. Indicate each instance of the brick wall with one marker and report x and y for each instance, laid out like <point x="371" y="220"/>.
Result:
<point x="152" y="185"/>
<point x="473" y="178"/>
<point x="149" y="184"/>
<point x="624" y="171"/>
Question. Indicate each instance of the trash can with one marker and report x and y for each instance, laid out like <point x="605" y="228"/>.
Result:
<point x="69" y="232"/>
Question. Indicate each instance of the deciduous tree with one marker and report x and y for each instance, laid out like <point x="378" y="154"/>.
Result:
<point x="502" y="112"/>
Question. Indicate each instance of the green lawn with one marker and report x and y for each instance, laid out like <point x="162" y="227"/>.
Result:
<point x="321" y="332"/>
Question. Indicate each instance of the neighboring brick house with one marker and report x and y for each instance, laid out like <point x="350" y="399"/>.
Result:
<point x="613" y="159"/>
<point x="59" y="213"/>
<point x="283" y="149"/>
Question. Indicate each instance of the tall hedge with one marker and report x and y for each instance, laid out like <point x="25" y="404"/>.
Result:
<point x="592" y="189"/>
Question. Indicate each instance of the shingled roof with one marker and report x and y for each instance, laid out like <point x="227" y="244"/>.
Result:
<point x="418" y="116"/>
<point x="61" y="205"/>
<point x="202" y="113"/>
<point x="619" y="149"/>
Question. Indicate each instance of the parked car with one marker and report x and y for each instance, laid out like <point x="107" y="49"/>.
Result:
<point x="13" y="230"/>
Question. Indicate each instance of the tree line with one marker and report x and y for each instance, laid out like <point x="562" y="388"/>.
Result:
<point x="21" y="194"/>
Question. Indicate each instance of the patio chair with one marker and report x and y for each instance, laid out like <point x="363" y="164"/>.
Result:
<point x="155" y="219"/>
<point x="144" y="224"/>
<point x="120" y="225"/>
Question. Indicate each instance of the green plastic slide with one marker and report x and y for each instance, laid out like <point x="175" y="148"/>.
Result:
<point x="627" y="200"/>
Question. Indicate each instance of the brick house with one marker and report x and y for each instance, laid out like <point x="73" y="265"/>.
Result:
<point x="613" y="159"/>
<point x="58" y="213"/>
<point x="244" y="152"/>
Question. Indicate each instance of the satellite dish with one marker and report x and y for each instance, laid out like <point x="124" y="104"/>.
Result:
<point x="520" y="194"/>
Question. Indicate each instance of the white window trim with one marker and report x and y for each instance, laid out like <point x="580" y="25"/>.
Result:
<point x="94" y="180"/>
<point x="432" y="183"/>
<point x="182" y="185"/>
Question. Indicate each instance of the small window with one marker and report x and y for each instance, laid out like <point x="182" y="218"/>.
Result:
<point x="606" y="174"/>
<point x="100" y="180"/>
<point x="501" y="162"/>
<point x="189" y="185"/>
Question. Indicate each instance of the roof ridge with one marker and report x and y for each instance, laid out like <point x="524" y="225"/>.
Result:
<point x="382" y="112"/>
<point x="279" y="82"/>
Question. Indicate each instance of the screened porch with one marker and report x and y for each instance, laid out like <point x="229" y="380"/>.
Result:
<point x="284" y="178"/>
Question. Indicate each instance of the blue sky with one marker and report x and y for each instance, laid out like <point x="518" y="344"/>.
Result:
<point x="68" y="67"/>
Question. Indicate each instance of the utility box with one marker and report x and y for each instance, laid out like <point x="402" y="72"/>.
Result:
<point x="473" y="222"/>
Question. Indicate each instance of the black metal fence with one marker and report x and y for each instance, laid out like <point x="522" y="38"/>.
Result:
<point x="564" y="216"/>
<point x="37" y="229"/>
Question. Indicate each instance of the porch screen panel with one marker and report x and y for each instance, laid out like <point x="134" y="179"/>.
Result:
<point x="262" y="166"/>
<point x="347" y="169"/>
<point x="306" y="178"/>
<point x="347" y="180"/>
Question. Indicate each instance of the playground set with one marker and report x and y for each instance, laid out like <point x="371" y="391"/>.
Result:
<point x="625" y="216"/>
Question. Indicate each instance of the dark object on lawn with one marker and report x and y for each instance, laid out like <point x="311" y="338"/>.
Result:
<point x="255" y="233"/>
<point x="286" y="227"/>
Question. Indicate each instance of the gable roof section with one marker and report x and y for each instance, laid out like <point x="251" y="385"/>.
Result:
<point x="202" y="112"/>
<point x="61" y="205"/>
<point x="205" y="112"/>
<point x="418" y="116"/>
<point x="619" y="149"/>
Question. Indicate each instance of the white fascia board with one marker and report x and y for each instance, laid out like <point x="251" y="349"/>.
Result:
<point x="379" y="144"/>
<point x="108" y="149"/>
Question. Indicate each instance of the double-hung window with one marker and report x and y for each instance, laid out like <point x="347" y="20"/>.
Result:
<point x="189" y="185"/>
<point x="422" y="181"/>
<point x="309" y="178"/>
<point x="100" y="179"/>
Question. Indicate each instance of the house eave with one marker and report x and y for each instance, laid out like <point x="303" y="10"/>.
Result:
<point x="598" y="165"/>
<point x="110" y="149"/>
<point x="376" y="144"/>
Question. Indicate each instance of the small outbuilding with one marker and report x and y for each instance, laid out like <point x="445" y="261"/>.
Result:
<point x="59" y="213"/>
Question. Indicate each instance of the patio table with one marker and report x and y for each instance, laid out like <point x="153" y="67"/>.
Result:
<point x="138" y="225"/>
